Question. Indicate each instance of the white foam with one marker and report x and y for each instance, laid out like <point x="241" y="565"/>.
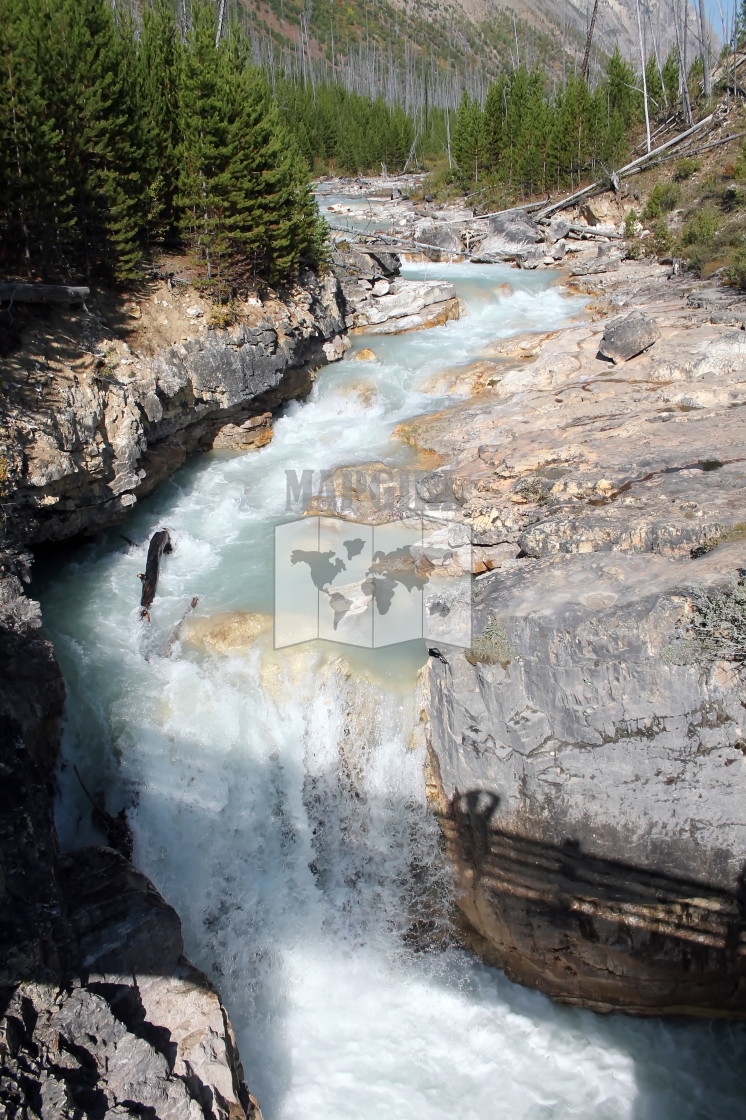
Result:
<point x="280" y="808"/>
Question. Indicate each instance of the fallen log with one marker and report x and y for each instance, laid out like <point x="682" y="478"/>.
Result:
<point x="160" y="542"/>
<point x="687" y="152"/>
<point x="628" y="169"/>
<point x="405" y="246"/>
<point x="42" y="293"/>
<point x="525" y="206"/>
<point x="116" y="829"/>
<point x="589" y="233"/>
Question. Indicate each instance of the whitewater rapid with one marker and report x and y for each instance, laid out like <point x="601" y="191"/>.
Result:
<point x="278" y="801"/>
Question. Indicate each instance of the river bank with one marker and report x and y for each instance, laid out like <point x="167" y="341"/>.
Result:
<point x="100" y="406"/>
<point x="589" y="764"/>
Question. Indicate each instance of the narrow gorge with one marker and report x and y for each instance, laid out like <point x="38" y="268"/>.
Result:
<point x="355" y="841"/>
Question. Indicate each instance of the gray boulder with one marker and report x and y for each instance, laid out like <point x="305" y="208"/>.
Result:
<point x="627" y="336"/>
<point x="510" y="234"/>
<point x="516" y="226"/>
<point x="558" y="229"/>
<point x="531" y="258"/>
<point x="597" y="265"/>
<point x="440" y="236"/>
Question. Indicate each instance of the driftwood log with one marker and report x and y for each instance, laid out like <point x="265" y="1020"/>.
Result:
<point x="176" y="632"/>
<point x="160" y="542"/>
<point x="42" y="293"/>
<point x="116" y="829"/>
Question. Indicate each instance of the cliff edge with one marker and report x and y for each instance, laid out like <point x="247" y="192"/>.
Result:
<point x="588" y="754"/>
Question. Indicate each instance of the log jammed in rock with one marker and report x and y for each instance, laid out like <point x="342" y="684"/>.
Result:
<point x="42" y="293"/>
<point x="160" y="542"/>
<point x="116" y="829"/>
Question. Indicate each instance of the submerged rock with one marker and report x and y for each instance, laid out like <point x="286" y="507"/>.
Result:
<point x="254" y="433"/>
<point x="227" y="632"/>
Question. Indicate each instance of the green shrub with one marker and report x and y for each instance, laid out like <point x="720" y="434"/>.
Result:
<point x="662" y="239"/>
<point x="736" y="274"/>
<point x="493" y="646"/>
<point x="716" y="630"/>
<point x="630" y="223"/>
<point x="701" y="227"/>
<point x="685" y="168"/>
<point x="663" y="197"/>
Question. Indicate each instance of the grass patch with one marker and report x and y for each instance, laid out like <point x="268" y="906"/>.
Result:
<point x="222" y="316"/>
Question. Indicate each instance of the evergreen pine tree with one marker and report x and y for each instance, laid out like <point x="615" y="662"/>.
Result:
<point x="246" y="209"/>
<point x="102" y="135"/>
<point x="158" y="64"/>
<point x="34" y="193"/>
<point x="656" y="94"/>
<point x="494" y="123"/>
<point x="671" y="79"/>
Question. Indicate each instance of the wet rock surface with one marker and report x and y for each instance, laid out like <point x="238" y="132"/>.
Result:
<point x="100" y="1013"/>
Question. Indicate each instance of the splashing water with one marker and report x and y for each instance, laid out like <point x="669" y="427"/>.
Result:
<point x="278" y="802"/>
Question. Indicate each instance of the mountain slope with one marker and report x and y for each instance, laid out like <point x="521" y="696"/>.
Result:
<point x="467" y="40"/>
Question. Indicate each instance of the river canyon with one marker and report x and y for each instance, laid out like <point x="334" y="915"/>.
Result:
<point x="277" y="797"/>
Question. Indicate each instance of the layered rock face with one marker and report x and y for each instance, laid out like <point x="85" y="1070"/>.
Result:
<point x="589" y="752"/>
<point x="594" y="792"/>
<point x="380" y="302"/>
<point x="100" y="1013"/>
<point x="101" y="421"/>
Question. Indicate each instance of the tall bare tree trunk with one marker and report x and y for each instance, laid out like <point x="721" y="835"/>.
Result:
<point x="704" y="38"/>
<point x="644" y="75"/>
<point x="588" y="39"/>
<point x="221" y="18"/>
<point x="681" y="51"/>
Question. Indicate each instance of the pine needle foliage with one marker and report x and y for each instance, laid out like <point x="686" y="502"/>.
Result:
<point x="120" y="132"/>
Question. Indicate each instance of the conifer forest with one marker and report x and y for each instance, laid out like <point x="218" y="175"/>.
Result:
<point x="125" y="127"/>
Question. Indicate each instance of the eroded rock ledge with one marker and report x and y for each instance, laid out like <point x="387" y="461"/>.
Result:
<point x="590" y="769"/>
<point x="103" y="407"/>
<point x="592" y="791"/>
